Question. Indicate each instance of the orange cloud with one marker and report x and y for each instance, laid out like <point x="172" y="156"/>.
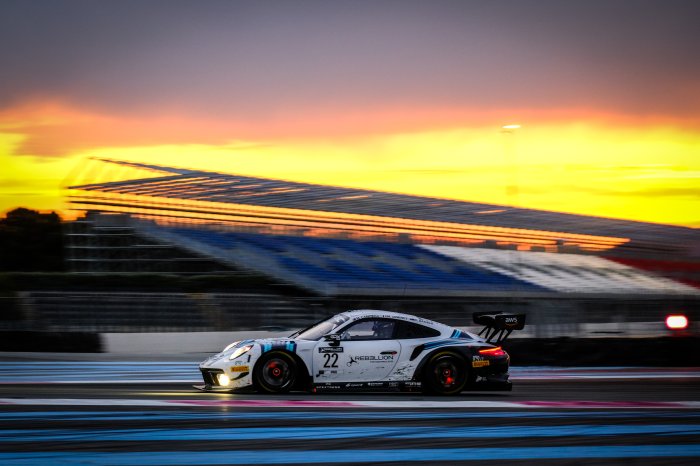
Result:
<point x="55" y="128"/>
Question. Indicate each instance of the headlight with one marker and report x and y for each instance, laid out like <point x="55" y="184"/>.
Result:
<point x="240" y="351"/>
<point x="223" y="380"/>
<point x="230" y="346"/>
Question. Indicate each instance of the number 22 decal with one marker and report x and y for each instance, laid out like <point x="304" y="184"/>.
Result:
<point x="331" y="360"/>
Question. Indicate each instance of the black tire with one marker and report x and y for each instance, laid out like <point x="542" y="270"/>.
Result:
<point x="275" y="372"/>
<point x="445" y="373"/>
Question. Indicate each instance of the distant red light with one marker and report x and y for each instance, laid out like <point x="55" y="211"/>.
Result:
<point x="497" y="351"/>
<point x="676" y="322"/>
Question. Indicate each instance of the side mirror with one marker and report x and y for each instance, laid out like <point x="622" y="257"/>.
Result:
<point x="332" y="338"/>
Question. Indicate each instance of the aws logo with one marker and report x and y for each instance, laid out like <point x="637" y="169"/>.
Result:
<point x="511" y="321"/>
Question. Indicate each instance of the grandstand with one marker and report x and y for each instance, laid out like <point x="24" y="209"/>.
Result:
<point x="333" y="241"/>
<point x="266" y="205"/>
<point x="288" y="253"/>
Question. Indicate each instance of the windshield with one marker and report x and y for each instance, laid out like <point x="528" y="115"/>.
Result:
<point x="316" y="331"/>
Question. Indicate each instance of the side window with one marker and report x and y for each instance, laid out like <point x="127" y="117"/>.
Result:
<point x="408" y="330"/>
<point x="374" y="329"/>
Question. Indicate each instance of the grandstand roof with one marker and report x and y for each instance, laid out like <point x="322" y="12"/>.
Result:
<point x="198" y="185"/>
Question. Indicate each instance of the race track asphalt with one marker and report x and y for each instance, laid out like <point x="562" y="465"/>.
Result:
<point x="72" y="412"/>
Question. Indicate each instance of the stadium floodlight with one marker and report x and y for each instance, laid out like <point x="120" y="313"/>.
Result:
<point x="676" y="322"/>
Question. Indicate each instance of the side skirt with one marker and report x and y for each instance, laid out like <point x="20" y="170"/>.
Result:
<point x="411" y="386"/>
<point x="326" y="387"/>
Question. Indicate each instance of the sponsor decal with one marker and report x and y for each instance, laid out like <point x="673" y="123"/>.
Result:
<point x="510" y="321"/>
<point x="270" y="345"/>
<point x="412" y="384"/>
<point x="374" y="316"/>
<point x="375" y="384"/>
<point x="377" y="358"/>
<point x="330" y="349"/>
<point x="240" y="369"/>
<point x="354" y="385"/>
<point x="478" y="361"/>
<point x="351" y="362"/>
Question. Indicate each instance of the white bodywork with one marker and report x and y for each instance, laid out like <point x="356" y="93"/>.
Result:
<point x="354" y="358"/>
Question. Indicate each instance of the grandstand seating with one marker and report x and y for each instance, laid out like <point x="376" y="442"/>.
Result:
<point x="682" y="271"/>
<point x="329" y="266"/>
<point x="352" y="266"/>
<point x="566" y="273"/>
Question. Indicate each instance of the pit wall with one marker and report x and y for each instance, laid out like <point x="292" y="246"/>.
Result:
<point x="176" y="342"/>
<point x="678" y="350"/>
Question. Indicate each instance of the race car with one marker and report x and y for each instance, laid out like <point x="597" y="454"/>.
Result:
<point x="369" y="350"/>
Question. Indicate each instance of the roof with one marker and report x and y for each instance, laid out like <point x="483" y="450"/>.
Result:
<point x="361" y="313"/>
<point x="205" y="186"/>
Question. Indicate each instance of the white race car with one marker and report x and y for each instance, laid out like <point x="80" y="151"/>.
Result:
<point x="369" y="350"/>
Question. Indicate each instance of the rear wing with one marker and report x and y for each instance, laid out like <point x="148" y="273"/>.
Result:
<point x="498" y="325"/>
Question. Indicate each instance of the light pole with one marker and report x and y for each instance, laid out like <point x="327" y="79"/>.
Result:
<point x="510" y="159"/>
<point x="511" y="162"/>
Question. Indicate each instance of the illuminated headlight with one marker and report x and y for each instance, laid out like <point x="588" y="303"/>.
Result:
<point x="240" y="351"/>
<point x="223" y="380"/>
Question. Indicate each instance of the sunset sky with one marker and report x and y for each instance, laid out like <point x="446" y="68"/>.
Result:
<point x="404" y="96"/>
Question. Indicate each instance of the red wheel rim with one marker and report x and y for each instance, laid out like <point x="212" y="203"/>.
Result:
<point x="276" y="373"/>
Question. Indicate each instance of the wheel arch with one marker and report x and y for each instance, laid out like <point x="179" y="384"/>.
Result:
<point x="303" y="376"/>
<point x="463" y="352"/>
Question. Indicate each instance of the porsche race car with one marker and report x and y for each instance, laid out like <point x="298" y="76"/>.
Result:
<point x="369" y="350"/>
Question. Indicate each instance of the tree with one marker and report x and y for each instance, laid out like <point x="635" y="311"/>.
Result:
<point x="31" y="242"/>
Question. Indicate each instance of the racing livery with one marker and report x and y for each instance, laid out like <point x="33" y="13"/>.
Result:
<point x="369" y="350"/>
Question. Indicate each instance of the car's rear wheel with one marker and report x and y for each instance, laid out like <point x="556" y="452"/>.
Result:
<point x="275" y="372"/>
<point x="445" y="374"/>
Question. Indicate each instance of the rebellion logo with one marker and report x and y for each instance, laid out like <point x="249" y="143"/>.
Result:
<point x="330" y="349"/>
<point x="378" y="358"/>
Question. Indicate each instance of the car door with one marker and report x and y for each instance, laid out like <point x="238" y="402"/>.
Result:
<point x="365" y="352"/>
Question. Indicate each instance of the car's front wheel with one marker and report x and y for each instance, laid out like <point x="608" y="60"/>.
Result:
<point x="275" y="372"/>
<point x="445" y="374"/>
